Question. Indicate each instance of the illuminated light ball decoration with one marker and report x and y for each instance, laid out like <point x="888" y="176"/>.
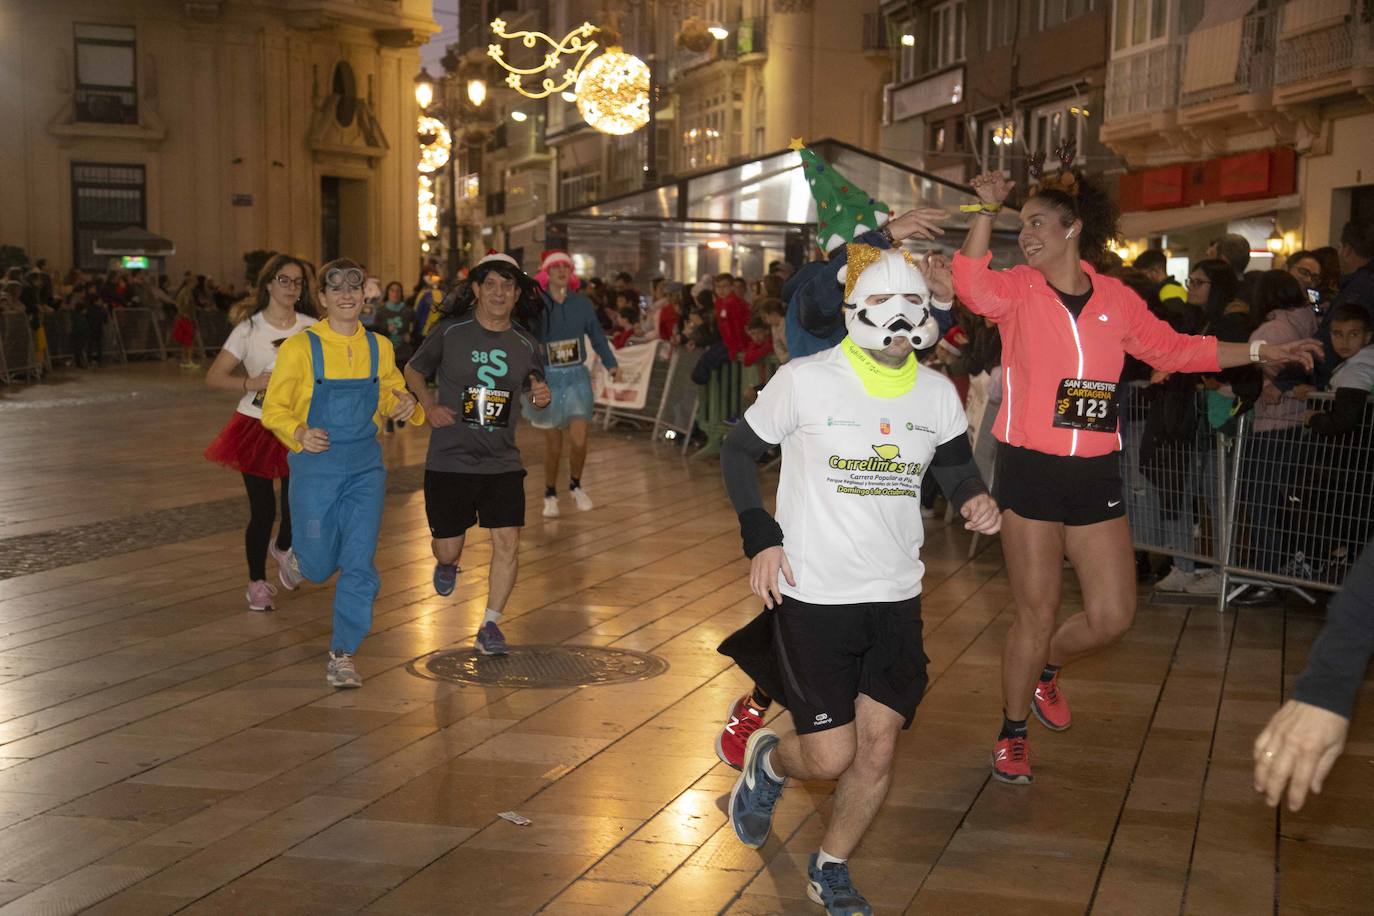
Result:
<point x="613" y="93"/>
<point x="435" y="144"/>
<point x="429" y="207"/>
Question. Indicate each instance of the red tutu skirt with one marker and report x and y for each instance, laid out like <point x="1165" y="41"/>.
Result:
<point x="184" y="332"/>
<point x="249" y="448"/>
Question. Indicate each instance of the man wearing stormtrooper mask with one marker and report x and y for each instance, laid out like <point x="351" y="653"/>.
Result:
<point x="839" y="568"/>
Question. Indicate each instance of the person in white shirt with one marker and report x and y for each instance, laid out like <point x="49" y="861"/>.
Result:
<point x="839" y="569"/>
<point x="280" y="307"/>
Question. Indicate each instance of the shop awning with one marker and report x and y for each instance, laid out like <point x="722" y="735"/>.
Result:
<point x="132" y="240"/>
<point x="1159" y="222"/>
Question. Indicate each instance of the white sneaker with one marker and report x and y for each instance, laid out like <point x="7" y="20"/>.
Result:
<point x="1176" y="581"/>
<point x="551" y="507"/>
<point x="1207" y="583"/>
<point x="584" y="502"/>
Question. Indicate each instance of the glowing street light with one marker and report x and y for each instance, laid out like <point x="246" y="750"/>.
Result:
<point x="477" y="92"/>
<point x="424" y="89"/>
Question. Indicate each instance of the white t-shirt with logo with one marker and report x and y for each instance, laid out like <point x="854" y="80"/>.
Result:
<point x="254" y="343"/>
<point x="849" y="493"/>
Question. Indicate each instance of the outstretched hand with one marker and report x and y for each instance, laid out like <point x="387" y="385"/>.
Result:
<point x="1304" y="352"/>
<point x="923" y="223"/>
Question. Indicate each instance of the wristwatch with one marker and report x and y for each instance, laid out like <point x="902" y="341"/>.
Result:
<point x="886" y="231"/>
<point x="1255" y="346"/>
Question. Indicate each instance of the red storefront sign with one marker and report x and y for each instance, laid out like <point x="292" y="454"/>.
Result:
<point x="1245" y="176"/>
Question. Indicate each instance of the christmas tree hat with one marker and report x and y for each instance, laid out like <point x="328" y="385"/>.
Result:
<point x="844" y="211"/>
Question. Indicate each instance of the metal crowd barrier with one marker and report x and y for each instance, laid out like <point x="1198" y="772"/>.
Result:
<point x="719" y="406"/>
<point x="61" y="340"/>
<point x="16" y="345"/>
<point x="212" y="330"/>
<point x="1289" y="507"/>
<point x="140" y="333"/>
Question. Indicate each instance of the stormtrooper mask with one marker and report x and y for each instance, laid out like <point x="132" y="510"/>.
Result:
<point x="900" y="299"/>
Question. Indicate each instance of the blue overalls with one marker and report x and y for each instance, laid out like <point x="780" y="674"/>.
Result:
<point x="336" y="496"/>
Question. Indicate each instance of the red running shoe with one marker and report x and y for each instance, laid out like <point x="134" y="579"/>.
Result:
<point x="744" y="720"/>
<point x="1050" y="706"/>
<point x="1011" y="761"/>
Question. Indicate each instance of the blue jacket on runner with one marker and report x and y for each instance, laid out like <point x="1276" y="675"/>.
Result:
<point x="572" y="318"/>
<point x="814" y="297"/>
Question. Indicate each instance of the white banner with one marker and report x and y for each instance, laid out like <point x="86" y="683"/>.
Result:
<point x="632" y="391"/>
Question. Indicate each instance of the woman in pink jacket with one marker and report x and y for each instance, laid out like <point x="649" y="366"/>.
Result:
<point x="1065" y="332"/>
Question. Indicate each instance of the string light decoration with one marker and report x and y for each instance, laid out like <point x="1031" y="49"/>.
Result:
<point x="575" y="45"/>
<point x="435" y="143"/>
<point x="613" y="93"/>
<point x="429" y="208"/>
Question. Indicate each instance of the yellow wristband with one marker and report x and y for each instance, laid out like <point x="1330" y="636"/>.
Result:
<point x="979" y="208"/>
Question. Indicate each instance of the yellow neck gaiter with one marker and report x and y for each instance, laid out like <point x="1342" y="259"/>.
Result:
<point x="879" y="380"/>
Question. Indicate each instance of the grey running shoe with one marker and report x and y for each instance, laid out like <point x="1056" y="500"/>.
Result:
<point x="490" y="640"/>
<point x="755" y="792"/>
<point x="832" y="888"/>
<point x="341" y="671"/>
<point x="288" y="567"/>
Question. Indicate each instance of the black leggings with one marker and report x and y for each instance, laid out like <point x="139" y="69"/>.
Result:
<point x="262" y="503"/>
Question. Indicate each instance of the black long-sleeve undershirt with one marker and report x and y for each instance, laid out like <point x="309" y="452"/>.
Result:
<point x="1339" y="657"/>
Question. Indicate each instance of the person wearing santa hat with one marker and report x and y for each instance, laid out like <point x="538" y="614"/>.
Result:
<point x="568" y="320"/>
<point x="482" y="354"/>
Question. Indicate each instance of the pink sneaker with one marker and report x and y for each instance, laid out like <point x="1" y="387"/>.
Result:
<point x="288" y="567"/>
<point x="260" y="593"/>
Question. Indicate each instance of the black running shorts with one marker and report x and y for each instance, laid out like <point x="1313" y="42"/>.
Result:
<point x="829" y="654"/>
<point x="454" y="502"/>
<point x="1056" y="488"/>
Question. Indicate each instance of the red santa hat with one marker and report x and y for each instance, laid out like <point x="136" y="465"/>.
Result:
<point x="554" y="256"/>
<point x="493" y="255"/>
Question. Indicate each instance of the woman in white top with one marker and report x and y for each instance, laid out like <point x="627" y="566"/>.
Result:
<point x="281" y="306"/>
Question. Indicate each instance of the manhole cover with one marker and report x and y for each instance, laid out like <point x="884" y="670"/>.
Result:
<point x="539" y="666"/>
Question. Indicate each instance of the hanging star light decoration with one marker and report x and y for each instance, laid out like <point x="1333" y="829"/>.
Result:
<point x="575" y="47"/>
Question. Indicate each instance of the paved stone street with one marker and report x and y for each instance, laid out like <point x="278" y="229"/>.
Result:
<point x="163" y="750"/>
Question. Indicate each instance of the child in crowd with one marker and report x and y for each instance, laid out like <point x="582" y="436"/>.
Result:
<point x="625" y="320"/>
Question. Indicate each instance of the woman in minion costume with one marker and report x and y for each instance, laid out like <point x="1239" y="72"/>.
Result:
<point x="333" y="388"/>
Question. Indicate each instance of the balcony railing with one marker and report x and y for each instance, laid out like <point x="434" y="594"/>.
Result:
<point x="1312" y="54"/>
<point x="1144" y="83"/>
<point x="876" y="33"/>
<point x="1254" y="67"/>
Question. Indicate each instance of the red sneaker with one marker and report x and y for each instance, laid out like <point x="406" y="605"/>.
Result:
<point x="744" y="720"/>
<point x="1050" y="706"/>
<point x="1011" y="761"/>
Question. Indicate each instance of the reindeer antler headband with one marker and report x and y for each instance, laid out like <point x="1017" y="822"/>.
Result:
<point x="1062" y="180"/>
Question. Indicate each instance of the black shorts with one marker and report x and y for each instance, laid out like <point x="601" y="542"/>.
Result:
<point x="829" y="654"/>
<point x="455" y="501"/>
<point x="1056" y="488"/>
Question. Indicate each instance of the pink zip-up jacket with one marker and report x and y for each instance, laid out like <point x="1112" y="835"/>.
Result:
<point x="1042" y="345"/>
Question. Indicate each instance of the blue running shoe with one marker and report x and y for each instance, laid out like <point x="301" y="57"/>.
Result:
<point x="832" y="888"/>
<point x="490" y="640"/>
<point x="445" y="578"/>
<point x="755" y="792"/>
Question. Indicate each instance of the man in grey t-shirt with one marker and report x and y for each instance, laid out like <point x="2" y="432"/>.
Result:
<point x="482" y="363"/>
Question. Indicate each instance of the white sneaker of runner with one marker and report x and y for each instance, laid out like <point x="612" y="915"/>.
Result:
<point x="584" y="502"/>
<point x="551" y="507"/>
